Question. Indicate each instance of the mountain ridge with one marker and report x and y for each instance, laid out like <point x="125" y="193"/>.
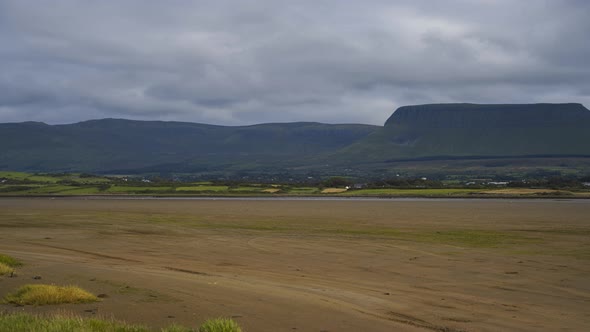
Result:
<point x="411" y="133"/>
<point x="518" y="114"/>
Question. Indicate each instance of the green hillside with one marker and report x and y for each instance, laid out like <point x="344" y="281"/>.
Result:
<point x="421" y="132"/>
<point x="471" y="130"/>
<point x="110" y="144"/>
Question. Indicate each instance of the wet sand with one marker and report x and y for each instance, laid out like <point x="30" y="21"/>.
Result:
<point x="307" y="265"/>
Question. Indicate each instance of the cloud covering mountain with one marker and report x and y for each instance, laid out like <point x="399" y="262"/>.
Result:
<point x="245" y="62"/>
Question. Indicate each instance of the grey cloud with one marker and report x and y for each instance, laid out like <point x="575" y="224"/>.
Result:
<point x="247" y="62"/>
<point x="15" y="96"/>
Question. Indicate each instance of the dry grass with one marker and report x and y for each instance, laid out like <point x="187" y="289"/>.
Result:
<point x="5" y="269"/>
<point x="38" y="294"/>
<point x="333" y="190"/>
<point x="72" y="323"/>
<point x="9" y="261"/>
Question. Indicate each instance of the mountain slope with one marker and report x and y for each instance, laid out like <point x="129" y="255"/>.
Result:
<point x="468" y="130"/>
<point x="108" y="144"/>
<point x="451" y="131"/>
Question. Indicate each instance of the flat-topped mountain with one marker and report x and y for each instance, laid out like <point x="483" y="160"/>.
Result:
<point x="472" y="130"/>
<point x="413" y="132"/>
<point x="490" y="115"/>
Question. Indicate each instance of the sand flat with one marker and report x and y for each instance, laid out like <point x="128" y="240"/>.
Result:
<point x="382" y="265"/>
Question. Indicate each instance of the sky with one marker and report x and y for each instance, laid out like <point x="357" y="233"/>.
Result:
<point x="244" y="62"/>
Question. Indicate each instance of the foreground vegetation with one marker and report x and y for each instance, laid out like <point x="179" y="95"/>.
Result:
<point x="7" y="264"/>
<point x="24" y="184"/>
<point x="27" y="322"/>
<point x="42" y="294"/>
<point x="220" y="325"/>
<point x="36" y="294"/>
<point x="308" y="252"/>
<point x="10" y="261"/>
<point x="5" y="269"/>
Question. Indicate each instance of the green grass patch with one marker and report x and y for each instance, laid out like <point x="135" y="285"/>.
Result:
<point x="17" y="189"/>
<point x="303" y="191"/>
<point x="20" y="176"/>
<point x="10" y="261"/>
<point x="27" y="322"/>
<point x="89" y="180"/>
<point x="246" y="189"/>
<point x="459" y="238"/>
<point x="176" y="328"/>
<point x="71" y="323"/>
<point x="14" y="175"/>
<point x="5" y="269"/>
<point x="49" y="189"/>
<point x="410" y="192"/>
<point x="81" y="191"/>
<point x="220" y="325"/>
<point x="52" y="179"/>
<point x="380" y="232"/>
<point x="203" y="188"/>
<point x="471" y="238"/>
<point x="37" y="294"/>
<point x="137" y="189"/>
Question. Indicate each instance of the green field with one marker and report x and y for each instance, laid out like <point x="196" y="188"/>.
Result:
<point x="201" y="188"/>
<point x="119" y="189"/>
<point x="24" y="184"/>
<point x="53" y="178"/>
<point x="410" y="192"/>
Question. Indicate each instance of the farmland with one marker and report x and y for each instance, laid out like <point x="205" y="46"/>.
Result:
<point x="24" y="184"/>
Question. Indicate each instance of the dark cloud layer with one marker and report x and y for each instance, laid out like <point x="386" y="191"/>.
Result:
<point x="243" y="62"/>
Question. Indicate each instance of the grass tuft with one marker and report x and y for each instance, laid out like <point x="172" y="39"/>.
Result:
<point x="63" y="323"/>
<point x="220" y="325"/>
<point x="10" y="261"/>
<point x="5" y="269"/>
<point x="71" y="323"/>
<point x="49" y="294"/>
<point x="177" y="328"/>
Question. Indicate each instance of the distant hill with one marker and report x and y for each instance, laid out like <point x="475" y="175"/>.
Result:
<point x="472" y="130"/>
<point x="421" y="132"/>
<point x="123" y="145"/>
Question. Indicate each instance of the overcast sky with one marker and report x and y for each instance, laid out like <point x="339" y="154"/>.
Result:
<point x="244" y="62"/>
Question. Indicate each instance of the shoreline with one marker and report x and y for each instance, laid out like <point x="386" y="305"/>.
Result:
<point x="307" y="197"/>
